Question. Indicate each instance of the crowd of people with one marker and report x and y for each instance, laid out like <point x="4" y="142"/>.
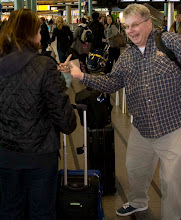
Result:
<point x="104" y="29"/>
<point x="64" y="42"/>
<point x="35" y="108"/>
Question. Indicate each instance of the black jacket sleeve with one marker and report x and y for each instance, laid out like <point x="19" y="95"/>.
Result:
<point x="70" y="35"/>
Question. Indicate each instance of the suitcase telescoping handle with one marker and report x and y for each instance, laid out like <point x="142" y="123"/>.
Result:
<point x="84" y="109"/>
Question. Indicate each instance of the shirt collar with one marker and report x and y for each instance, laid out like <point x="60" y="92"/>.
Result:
<point x="150" y="39"/>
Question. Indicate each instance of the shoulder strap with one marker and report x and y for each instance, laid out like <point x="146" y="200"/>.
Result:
<point x="161" y="46"/>
<point x="81" y="32"/>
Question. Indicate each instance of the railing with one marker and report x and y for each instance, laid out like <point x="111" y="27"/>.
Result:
<point x="123" y="102"/>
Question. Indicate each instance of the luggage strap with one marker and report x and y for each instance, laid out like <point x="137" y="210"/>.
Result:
<point x="96" y="55"/>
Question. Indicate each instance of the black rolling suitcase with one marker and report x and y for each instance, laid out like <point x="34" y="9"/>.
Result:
<point x="79" y="193"/>
<point x="101" y="156"/>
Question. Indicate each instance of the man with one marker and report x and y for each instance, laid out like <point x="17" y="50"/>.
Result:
<point x="45" y="36"/>
<point x="97" y="33"/>
<point x="81" y="47"/>
<point x="176" y="26"/>
<point x="102" y="19"/>
<point x="153" y="88"/>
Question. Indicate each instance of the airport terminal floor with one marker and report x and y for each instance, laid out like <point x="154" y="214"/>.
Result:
<point x="122" y="126"/>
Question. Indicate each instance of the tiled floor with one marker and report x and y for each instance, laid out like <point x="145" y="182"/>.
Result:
<point x="122" y="127"/>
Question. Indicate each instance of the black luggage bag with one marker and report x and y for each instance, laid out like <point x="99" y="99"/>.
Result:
<point x="79" y="192"/>
<point x="98" y="107"/>
<point x="101" y="156"/>
<point x="94" y="61"/>
<point x="98" y="59"/>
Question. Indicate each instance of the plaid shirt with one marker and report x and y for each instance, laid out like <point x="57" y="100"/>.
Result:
<point x="152" y="82"/>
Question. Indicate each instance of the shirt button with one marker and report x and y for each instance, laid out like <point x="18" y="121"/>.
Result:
<point x="146" y="85"/>
<point x="145" y="71"/>
<point x="152" y="115"/>
<point x="149" y="100"/>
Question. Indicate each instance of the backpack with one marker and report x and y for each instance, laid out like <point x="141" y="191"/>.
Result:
<point x="161" y="46"/>
<point x="85" y="35"/>
<point x="93" y="62"/>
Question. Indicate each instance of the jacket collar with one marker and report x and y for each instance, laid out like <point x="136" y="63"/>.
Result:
<point x="15" y="61"/>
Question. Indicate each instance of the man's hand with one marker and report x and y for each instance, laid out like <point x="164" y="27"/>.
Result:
<point x="64" y="67"/>
<point x="76" y="72"/>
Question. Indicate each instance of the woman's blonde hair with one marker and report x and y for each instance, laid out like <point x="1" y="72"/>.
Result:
<point x="60" y="22"/>
<point x="134" y="9"/>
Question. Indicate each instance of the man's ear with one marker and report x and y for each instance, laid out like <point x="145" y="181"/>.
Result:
<point x="150" y="24"/>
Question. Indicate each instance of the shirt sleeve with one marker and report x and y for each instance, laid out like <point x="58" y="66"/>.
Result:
<point x="109" y="83"/>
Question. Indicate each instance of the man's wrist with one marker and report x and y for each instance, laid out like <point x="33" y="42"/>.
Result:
<point x="82" y="76"/>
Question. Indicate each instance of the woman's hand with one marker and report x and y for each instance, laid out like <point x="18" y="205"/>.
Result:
<point x="64" y="67"/>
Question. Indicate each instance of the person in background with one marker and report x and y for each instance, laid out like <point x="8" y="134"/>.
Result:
<point x="119" y="25"/>
<point x="34" y="110"/>
<point x="45" y="36"/>
<point x="88" y="20"/>
<point x="51" y="26"/>
<point x="1" y="24"/>
<point x="82" y="48"/>
<point x="4" y="21"/>
<point x="165" y="23"/>
<point x="114" y="52"/>
<point x="97" y="33"/>
<point x="176" y="26"/>
<point x="102" y="19"/>
<point x="64" y="37"/>
<point x="152" y="82"/>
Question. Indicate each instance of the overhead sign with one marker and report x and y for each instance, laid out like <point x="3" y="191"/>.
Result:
<point x="43" y="7"/>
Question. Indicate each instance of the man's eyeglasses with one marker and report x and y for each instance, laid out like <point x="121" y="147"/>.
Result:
<point x="134" y="25"/>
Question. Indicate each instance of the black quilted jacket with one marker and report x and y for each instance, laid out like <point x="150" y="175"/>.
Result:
<point x="33" y="107"/>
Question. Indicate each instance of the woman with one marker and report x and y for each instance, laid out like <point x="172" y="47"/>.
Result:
<point x="45" y="36"/>
<point x="34" y="110"/>
<point x="176" y="26"/>
<point x="110" y="33"/>
<point x="64" y="38"/>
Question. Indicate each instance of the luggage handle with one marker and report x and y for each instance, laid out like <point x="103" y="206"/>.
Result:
<point x="84" y="108"/>
<point x="80" y="106"/>
<point x="75" y="189"/>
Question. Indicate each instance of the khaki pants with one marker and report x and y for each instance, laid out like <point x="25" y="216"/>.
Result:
<point x="141" y="161"/>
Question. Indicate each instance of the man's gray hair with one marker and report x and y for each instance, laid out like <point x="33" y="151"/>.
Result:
<point x="134" y="9"/>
